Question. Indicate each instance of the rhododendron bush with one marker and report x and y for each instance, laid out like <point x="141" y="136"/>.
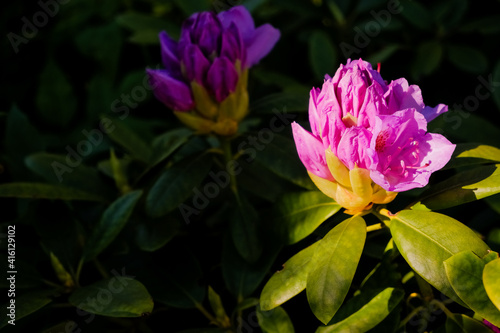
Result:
<point x="251" y="166"/>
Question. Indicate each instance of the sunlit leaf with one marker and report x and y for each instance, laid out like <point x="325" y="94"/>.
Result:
<point x="491" y="275"/>
<point x="274" y="321"/>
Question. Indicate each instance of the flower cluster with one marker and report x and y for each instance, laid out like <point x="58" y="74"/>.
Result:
<point x="369" y="139"/>
<point x="206" y="71"/>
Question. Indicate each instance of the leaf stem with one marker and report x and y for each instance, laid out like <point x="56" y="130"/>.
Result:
<point x="204" y="311"/>
<point x="375" y="227"/>
<point x="225" y="144"/>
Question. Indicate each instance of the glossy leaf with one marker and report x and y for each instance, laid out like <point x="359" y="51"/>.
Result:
<point x="178" y="183"/>
<point x="45" y="191"/>
<point x="322" y="54"/>
<point x="169" y="142"/>
<point x="112" y="222"/>
<point x="427" y="239"/>
<point x="129" y="140"/>
<point x="467" y="154"/>
<point x="274" y="321"/>
<point x="332" y="267"/>
<point x="118" y="296"/>
<point x="371" y="314"/>
<point x="289" y="281"/>
<point x="491" y="276"/>
<point x="153" y="235"/>
<point x="461" y="323"/>
<point x="465" y="273"/>
<point x="297" y="215"/>
<point x="465" y="186"/>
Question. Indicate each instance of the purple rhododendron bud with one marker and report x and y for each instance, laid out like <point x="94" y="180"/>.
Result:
<point x="369" y="139"/>
<point x="208" y="67"/>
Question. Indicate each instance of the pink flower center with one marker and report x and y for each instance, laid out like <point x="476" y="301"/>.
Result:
<point x="409" y="156"/>
<point x="381" y="140"/>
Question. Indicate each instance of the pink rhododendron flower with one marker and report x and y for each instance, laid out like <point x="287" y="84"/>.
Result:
<point x="369" y="139"/>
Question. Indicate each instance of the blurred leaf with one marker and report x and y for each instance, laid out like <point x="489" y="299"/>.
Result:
<point x="119" y="296"/>
<point x="61" y="273"/>
<point x="102" y="43"/>
<point x="274" y="321"/>
<point x="287" y="83"/>
<point x="465" y="273"/>
<point x="490" y="278"/>
<point x="153" y="235"/>
<point x="496" y="80"/>
<point x="55" y="99"/>
<point x="132" y="142"/>
<point x="118" y="172"/>
<point x="100" y="96"/>
<point x="297" y="215"/>
<point x="467" y="58"/>
<point x="289" y="281"/>
<point x="461" y="323"/>
<point x="45" y="191"/>
<point x="417" y="14"/>
<point x="192" y="6"/>
<point x="178" y="183"/>
<point x="280" y="156"/>
<point x="484" y="25"/>
<point x="332" y="267"/>
<point x="370" y="315"/>
<point x="367" y="5"/>
<point x="449" y="13"/>
<point x="26" y="304"/>
<point x="112" y="222"/>
<point x="69" y="171"/>
<point x="322" y="54"/>
<point x="385" y="53"/>
<point x="244" y="230"/>
<point x="428" y="58"/>
<point x="146" y="28"/>
<point x="271" y="103"/>
<point x="427" y="239"/>
<point x="465" y="186"/>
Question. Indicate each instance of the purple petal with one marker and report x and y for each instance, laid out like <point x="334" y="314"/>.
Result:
<point x="169" y="54"/>
<point x="232" y="45"/>
<point x="241" y="17"/>
<point x="311" y="152"/>
<point x="207" y="33"/>
<point x="173" y="93"/>
<point x="195" y="63"/>
<point x="401" y="96"/>
<point x="222" y="78"/>
<point x="263" y="40"/>
<point x="354" y="148"/>
<point x="431" y="113"/>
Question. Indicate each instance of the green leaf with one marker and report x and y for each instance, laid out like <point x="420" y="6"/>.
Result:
<point x="297" y="215"/>
<point x="467" y="154"/>
<point x="483" y="25"/>
<point x="192" y="6"/>
<point x="55" y="99"/>
<point x="427" y="239"/>
<point x="45" y="191"/>
<point x="465" y="186"/>
<point x="56" y="169"/>
<point x="242" y="277"/>
<point x="417" y="14"/>
<point x="491" y="274"/>
<point x="26" y="304"/>
<point x="280" y="156"/>
<point x="290" y="101"/>
<point x="112" y="222"/>
<point x="168" y="143"/>
<point x="244" y="230"/>
<point x="129" y="140"/>
<point x="176" y="184"/>
<point x="467" y="58"/>
<point x="428" y="58"/>
<point x="119" y="296"/>
<point x="496" y="79"/>
<point x="465" y="273"/>
<point x="370" y="315"/>
<point x="322" y="54"/>
<point x="461" y="323"/>
<point x="289" y="281"/>
<point x="332" y="267"/>
<point x="383" y="54"/>
<point x="153" y="235"/>
<point x="217" y="307"/>
<point x="274" y="321"/>
<point x="141" y="25"/>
